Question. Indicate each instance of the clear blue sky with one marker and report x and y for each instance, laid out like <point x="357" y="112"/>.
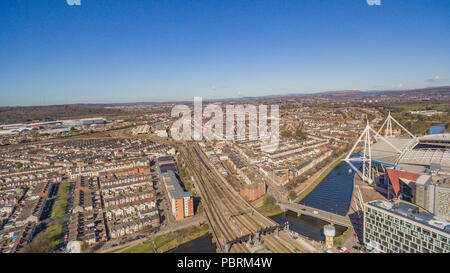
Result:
<point x="128" y="50"/>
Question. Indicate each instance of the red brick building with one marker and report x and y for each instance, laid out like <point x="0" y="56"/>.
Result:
<point x="253" y="191"/>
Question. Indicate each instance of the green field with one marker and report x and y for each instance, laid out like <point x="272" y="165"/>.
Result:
<point x="268" y="209"/>
<point x="59" y="209"/>
<point x="161" y="239"/>
<point x="64" y="188"/>
<point x="140" y="248"/>
<point x="167" y="241"/>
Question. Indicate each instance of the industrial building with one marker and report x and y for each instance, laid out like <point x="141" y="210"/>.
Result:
<point x="400" y="227"/>
<point x="182" y="202"/>
<point x="90" y="121"/>
<point x="48" y="127"/>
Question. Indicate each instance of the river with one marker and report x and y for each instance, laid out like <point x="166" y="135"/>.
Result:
<point x="333" y="194"/>
<point x="436" y="128"/>
<point x="202" y="244"/>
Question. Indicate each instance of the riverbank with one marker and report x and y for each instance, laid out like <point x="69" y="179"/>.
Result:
<point x="309" y="185"/>
<point x="339" y="240"/>
<point x="269" y="209"/>
<point x="167" y="241"/>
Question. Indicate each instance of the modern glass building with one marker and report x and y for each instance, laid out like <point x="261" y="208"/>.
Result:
<point x="400" y="227"/>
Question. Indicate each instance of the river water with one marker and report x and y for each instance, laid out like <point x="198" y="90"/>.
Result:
<point x="436" y="128"/>
<point x="200" y="245"/>
<point x="333" y="194"/>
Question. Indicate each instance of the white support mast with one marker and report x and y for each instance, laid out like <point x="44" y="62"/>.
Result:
<point x="388" y="123"/>
<point x="367" y="157"/>
<point x="368" y="135"/>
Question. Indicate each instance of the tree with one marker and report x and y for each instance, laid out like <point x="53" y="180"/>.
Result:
<point x="286" y="134"/>
<point x="299" y="134"/>
<point x="292" y="195"/>
<point x="269" y="200"/>
<point x="41" y="243"/>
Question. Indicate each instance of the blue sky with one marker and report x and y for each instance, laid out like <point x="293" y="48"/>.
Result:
<point x="107" y="51"/>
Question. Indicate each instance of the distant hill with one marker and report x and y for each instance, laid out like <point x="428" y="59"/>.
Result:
<point x="44" y="113"/>
<point x="343" y="93"/>
<point x="440" y="90"/>
<point x="22" y="114"/>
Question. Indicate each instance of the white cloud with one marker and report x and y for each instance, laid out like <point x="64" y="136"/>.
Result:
<point x="435" y="79"/>
<point x="397" y="86"/>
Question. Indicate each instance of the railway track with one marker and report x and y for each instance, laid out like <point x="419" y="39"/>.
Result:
<point x="229" y="214"/>
<point x="220" y="227"/>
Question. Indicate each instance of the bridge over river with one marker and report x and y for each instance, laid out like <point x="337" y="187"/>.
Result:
<point x="318" y="213"/>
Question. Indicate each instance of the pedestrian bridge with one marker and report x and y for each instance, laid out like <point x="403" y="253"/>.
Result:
<point x="321" y="214"/>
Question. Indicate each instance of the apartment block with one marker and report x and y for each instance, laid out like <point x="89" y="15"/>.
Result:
<point x="182" y="202"/>
<point x="400" y="227"/>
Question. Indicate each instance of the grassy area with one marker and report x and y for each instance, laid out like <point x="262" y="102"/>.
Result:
<point x="116" y="250"/>
<point x="54" y="233"/>
<point x="268" y="209"/>
<point x="59" y="209"/>
<point x="339" y="239"/>
<point x="184" y="175"/>
<point x="423" y="106"/>
<point x="64" y="188"/>
<point x="269" y="206"/>
<point x="161" y="239"/>
<point x="140" y="248"/>
<point x="183" y="236"/>
<point x="167" y="241"/>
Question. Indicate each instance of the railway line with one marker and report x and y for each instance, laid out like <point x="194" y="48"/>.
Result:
<point x="229" y="215"/>
<point x="219" y="226"/>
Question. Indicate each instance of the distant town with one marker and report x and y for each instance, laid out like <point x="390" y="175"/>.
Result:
<point x="120" y="183"/>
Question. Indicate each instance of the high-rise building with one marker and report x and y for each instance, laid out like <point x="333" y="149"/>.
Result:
<point x="182" y="202"/>
<point x="397" y="226"/>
